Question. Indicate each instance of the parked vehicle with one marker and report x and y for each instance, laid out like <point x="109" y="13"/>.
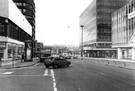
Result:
<point x="56" y="62"/>
<point x="74" y="57"/>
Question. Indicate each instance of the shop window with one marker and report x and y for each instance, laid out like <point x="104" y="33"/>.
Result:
<point x="2" y="33"/>
<point x="9" y="53"/>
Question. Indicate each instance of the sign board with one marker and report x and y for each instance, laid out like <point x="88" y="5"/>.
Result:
<point x="2" y="45"/>
<point x="131" y="15"/>
<point x="87" y="48"/>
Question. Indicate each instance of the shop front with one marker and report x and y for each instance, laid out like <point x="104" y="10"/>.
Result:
<point x="15" y="49"/>
<point x="8" y="49"/>
<point x="2" y="48"/>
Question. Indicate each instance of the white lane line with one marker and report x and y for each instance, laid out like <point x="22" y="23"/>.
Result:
<point x="22" y="75"/>
<point x="52" y="73"/>
<point x="7" y="73"/>
<point x="46" y="72"/>
<point x="36" y="64"/>
<point x="54" y="81"/>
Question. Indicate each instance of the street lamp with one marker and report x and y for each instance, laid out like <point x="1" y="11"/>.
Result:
<point x="82" y="41"/>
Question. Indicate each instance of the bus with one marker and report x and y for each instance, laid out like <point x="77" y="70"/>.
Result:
<point x="45" y="52"/>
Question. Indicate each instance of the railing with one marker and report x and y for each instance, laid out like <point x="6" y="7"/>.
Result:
<point x="112" y="62"/>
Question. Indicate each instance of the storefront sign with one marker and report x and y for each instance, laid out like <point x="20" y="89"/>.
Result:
<point x="2" y="45"/>
<point x="87" y="48"/>
<point x="131" y="15"/>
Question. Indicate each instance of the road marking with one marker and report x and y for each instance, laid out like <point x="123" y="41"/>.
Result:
<point x="36" y="64"/>
<point x="7" y="73"/>
<point x="54" y="81"/>
<point x="22" y="75"/>
<point x="52" y="73"/>
<point x="46" y="72"/>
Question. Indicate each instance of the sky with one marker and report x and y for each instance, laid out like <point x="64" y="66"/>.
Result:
<point x="57" y="21"/>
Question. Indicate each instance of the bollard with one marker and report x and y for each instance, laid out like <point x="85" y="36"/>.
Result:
<point x="0" y="62"/>
<point x="107" y="61"/>
<point x="103" y="61"/>
<point x="124" y="63"/>
<point x="115" y="62"/>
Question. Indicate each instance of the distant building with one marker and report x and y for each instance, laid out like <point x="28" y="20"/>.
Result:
<point x="96" y="20"/>
<point x="14" y="30"/>
<point x="123" y="31"/>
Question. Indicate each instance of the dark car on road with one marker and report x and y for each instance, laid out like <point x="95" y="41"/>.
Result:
<point x="56" y="62"/>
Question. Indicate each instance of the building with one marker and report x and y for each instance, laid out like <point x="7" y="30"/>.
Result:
<point x="27" y="7"/>
<point x="95" y="36"/>
<point x="123" y="31"/>
<point x="14" y="30"/>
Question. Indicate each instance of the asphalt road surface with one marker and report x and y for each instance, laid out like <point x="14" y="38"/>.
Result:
<point x="80" y="76"/>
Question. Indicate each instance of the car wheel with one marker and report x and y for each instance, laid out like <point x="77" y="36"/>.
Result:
<point x="46" y="66"/>
<point x="67" y="65"/>
<point x="55" y="66"/>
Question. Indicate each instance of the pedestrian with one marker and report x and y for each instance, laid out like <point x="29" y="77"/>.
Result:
<point x="22" y="59"/>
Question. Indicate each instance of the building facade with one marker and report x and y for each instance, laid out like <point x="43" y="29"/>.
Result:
<point x="123" y="31"/>
<point x="27" y="7"/>
<point x="13" y="31"/>
<point x="96" y="19"/>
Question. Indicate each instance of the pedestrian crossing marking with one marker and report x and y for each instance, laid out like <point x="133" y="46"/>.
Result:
<point x="7" y="73"/>
<point x="46" y="72"/>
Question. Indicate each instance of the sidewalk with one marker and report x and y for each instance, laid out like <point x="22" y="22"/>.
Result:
<point x="122" y="63"/>
<point x="17" y="64"/>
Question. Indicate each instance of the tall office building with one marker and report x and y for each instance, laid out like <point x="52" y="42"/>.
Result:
<point x="95" y="36"/>
<point x="123" y="31"/>
<point x="27" y="7"/>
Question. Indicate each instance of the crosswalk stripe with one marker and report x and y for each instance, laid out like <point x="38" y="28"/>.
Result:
<point x="7" y="73"/>
<point x="46" y="72"/>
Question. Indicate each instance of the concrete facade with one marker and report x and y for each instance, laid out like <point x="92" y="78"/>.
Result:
<point x="123" y="31"/>
<point x="14" y="30"/>
<point x="96" y="19"/>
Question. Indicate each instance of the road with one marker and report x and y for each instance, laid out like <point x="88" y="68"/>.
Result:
<point x="80" y="76"/>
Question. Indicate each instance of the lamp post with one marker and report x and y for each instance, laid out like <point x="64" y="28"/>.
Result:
<point x="82" y="26"/>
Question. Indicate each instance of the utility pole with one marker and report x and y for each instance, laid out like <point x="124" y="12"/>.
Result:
<point x="82" y="26"/>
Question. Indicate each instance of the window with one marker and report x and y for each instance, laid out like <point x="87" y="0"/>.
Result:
<point x="24" y="10"/>
<point x="2" y="30"/>
<point x="24" y="4"/>
<point x="19" y="4"/>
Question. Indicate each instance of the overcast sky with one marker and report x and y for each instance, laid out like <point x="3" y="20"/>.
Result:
<point x="57" y="21"/>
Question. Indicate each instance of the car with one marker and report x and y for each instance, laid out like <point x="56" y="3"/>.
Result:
<point x="56" y="62"/>
<point x="74" y="57"/>
<point x="68" y="57"/>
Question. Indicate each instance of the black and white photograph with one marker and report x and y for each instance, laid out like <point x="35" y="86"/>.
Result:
<point x="67" y="45"/>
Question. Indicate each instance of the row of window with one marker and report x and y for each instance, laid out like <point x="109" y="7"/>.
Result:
<point x="131" y="7"/>
<point x="14" y="32"/>
<point x="103" y="17"/>
<point x="23" y="4"/>
<point x="18" y="34"/>
<point x="25" y="11"/>
<point x="2" y="32"/>
<point x="104" y="44"/>
<point x="104" y="31"/>
<point x="109" y="4"/>
<point x="105" y="10"/>
<point x="104" y="26"/>
<point x="104" y="37"/>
